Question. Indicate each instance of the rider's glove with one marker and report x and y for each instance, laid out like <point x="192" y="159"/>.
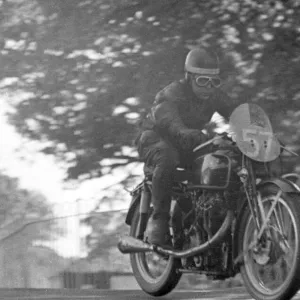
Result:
<point x="192" y="138"/>
<point x="209" y="129"/>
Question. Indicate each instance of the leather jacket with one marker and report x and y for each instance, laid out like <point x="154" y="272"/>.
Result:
<point x="178" y="116"/>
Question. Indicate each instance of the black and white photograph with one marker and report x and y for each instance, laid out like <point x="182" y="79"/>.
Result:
<point x="149" y="149"/>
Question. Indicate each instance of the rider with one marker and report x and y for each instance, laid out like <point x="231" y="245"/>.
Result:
<point x="174" y="127"/>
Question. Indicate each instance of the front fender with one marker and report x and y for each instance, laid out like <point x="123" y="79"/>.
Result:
<point x="285" y="185"/>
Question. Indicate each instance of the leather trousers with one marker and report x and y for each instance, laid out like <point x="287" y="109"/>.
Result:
<point x="161" y="160"/>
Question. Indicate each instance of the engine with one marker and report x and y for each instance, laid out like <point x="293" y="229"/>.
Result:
<point x="209" y="211"/>
<point x="215" y="171"/>
<point x="214" y="182"/>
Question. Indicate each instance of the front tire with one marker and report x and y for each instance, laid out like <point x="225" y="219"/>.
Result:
<point x="156" y="275"/>
<point x="271" y="269"/>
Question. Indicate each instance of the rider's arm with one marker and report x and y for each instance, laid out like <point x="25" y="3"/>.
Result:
<point x="167" y="120"/>
<point x="225" y="105"/>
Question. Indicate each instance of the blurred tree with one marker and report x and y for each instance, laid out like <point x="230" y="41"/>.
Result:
<point x="88" y="69"/>
<point x="106" y="228"/>
<point x="21" y="210"/>
<point x="21" y="229"/>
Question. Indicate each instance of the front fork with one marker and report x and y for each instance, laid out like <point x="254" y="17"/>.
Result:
<point x="254" y="199"/>
<point x="255" y="203"/>
<point x="144" y="210"/>
<point x="248" y="178"/>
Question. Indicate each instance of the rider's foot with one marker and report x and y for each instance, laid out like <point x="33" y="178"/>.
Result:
<point x="158" y="230"/>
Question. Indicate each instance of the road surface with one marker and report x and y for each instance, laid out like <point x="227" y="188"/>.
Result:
<point x="53" y="294"/>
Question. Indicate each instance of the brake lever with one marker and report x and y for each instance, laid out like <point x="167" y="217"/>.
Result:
<point x="282" y="145"/>
<point x="207" y="143"/>
<point x="289" y="151"/>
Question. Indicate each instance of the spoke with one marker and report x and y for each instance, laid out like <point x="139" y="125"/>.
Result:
<point x="278" y="221"/>
<point x="261" y="207"/>
<point x="285" y="241"/>
<point x="263" y="227"/>
<point x="270" y="265"/>
<point x="284" y="216"/>
<point x="288" y="258"/>
<point x="288" y="236"/>
<point x="281" y="217"/>
<point x="155" y="264"/>
<point x="289" y="230"/>
<point x="279" y="271"/>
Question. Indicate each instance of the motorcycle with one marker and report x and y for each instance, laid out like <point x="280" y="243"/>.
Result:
<point x="228" y="216"/>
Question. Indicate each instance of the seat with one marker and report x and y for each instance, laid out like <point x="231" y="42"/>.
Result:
<point x="182" y="174"/>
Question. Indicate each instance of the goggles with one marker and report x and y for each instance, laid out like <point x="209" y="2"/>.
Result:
<point x="204" y="80"/>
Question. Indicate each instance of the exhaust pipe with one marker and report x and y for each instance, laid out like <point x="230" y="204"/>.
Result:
<point x="129" y="244"/>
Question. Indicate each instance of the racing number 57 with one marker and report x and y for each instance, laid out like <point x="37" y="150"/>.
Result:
<point x="255" y="138"/>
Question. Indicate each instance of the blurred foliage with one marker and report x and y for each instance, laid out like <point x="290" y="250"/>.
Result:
<point x="20" y="207"/>
<point x="89" y="68"/>
<point x="22" y="231"/>
<point x="106" y="228"/>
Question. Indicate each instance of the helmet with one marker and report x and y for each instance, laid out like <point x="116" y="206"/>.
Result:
<point x="199" y="61"/>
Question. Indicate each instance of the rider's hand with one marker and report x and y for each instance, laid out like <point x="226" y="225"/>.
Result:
<point x="195" y="137"/>
<point x="218" y="141"/>
<point x="209" y="129"/>
<point x="188" y="139"/>
<point x="221" y="140"/>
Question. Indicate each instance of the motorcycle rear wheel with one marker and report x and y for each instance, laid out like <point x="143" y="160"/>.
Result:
<point x="271" y="269"/>
<point x="155" y="274"/>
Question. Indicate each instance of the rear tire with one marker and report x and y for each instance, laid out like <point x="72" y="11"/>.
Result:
<point x="152" y="282"/>
<point x="271" y="270"/>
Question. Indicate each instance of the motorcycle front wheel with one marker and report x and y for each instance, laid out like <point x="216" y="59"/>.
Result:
<point x="271" y="267"/>
<point x="155" y="274"/>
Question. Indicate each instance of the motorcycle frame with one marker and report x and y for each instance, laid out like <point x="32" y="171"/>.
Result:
<point x="141" y="196"/>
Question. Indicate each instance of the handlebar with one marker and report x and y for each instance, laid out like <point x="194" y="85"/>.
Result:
<point x="283" y="146"/>
<point x="227" y="136"/>
<point x="207" y="143"/>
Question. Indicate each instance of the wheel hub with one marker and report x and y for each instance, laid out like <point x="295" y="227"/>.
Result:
<point x="261" y="254"/>
<point x="262" y="250"/>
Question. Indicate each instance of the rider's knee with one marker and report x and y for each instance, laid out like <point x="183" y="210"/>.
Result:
<point x="168" y="159"/>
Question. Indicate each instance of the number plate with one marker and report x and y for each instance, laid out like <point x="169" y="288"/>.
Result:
<point x="253" y="133"/>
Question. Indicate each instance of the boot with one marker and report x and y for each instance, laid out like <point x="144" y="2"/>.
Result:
<point x="158" y="230"/>
<point x="176" y="222"/>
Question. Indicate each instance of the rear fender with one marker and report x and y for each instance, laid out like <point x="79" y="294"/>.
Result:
<point x="142" y="191"/>
<point x="136" y="198"/>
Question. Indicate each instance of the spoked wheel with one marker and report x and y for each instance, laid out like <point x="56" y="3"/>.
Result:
<point x="156" y="275"/>
<point x="271" y="268"/>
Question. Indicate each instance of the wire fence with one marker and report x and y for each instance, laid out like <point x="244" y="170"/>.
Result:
<point x="71" y="250"/>
<point x="74" y="250"/>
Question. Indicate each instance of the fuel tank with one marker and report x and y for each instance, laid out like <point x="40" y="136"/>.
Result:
<point x="215" y="171"/>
